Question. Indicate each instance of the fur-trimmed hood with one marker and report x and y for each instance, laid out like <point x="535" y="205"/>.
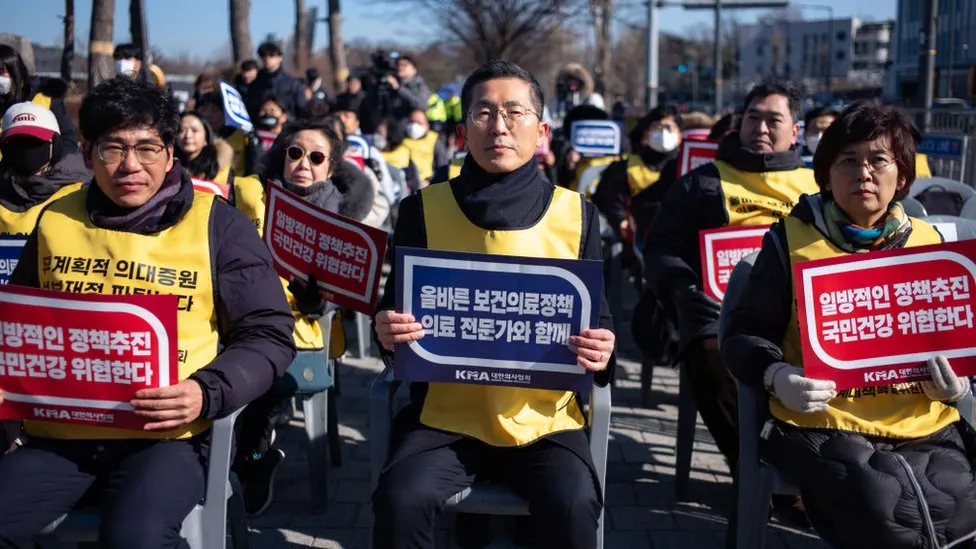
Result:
<point x="577" y="71"/>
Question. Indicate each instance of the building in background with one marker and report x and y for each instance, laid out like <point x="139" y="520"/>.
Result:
<point x="840" y="55"/>
<point x="955" y="51"/>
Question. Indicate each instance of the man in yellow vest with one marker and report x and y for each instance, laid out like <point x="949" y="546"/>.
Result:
<point x="756" y="179"/>
<point x="426" y="151"/>
<point x="234" y="338"/>
<point x="529" y="439"/>
<point x="436" y="112"/>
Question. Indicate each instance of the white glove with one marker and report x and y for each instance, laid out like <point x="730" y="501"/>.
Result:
<point x="798" y="393"/>
<point x="945" y="386"/>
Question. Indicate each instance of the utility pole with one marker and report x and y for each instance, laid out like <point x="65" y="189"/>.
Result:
<point x="717" y="68"/>
<point x="653" y="52"/>
<point x="337" y="50"/>
<point x="926" y="59"/>
<point x="952" y="45"/>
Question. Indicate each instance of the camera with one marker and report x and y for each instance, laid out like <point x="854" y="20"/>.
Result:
<point x="384" y="63"/>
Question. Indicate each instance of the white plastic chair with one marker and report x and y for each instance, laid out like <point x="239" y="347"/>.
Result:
<point x="206" y="525"/>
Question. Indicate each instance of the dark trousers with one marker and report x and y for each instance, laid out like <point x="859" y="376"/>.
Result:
<point x="715" y="395"/>
<point x="146" y="489"/>
<point x="259" y="419"/>
<point x="560" y="488"/>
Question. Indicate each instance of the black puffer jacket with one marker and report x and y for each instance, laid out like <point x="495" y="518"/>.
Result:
<point x="859" y="491"/>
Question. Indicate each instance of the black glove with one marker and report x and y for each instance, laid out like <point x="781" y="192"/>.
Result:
<point x="374" y="164"/>
<point x="695" y="311"/>
<point x="307" y="297"/>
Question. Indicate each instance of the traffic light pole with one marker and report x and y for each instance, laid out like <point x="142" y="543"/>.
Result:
<point x="926" y="58"/>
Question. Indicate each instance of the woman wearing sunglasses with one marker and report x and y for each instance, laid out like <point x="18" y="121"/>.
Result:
<point x="302" y="161"/>
<point x="884" y="466"/>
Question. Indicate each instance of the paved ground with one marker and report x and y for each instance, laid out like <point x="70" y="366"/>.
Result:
<point x="641" y="509"/>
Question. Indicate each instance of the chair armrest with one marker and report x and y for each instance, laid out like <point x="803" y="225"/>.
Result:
<point x="380" y="422"/>
<point x="325" y="324"/>
<point x="600" y="402"/>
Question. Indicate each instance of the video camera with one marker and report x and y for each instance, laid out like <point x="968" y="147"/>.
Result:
<point x="384" y="63"/>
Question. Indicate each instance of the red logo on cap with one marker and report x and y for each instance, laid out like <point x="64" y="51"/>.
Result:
<point x="25" y="117"/>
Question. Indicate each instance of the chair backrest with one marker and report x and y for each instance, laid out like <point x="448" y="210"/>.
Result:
<point x="968" y="209"/>
<point x="737" y="285"/>
<point x="915" y="208"/>
<point x="953" y="228"/>
<point x="951" y="185"/>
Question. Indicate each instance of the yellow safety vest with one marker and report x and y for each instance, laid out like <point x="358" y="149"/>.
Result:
<point x="585" y="163"/>
<point x="762" y="198"/>
<point x="639" y="175"/>
<point x="922" y="168"/>
<point x="502" y="416"/>
<point x="22" y="223"/>
<point x="897" y="411"/>
<point x="454" y="112"/>
<point x="398" y="157"/>
<point x="173" y="261"/>
<point x="422" y="153"/>
<point x="238" y="142"/>
<point x="454" y="168"/>
<point x="436" y="112"/>
<point x="249" y="199"/>
<point x="38" y="99"/>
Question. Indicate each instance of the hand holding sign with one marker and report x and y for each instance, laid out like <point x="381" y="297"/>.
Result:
<point x="393" y="328"/>
<point x="169" y="407"/>
<point x="945" y="386"/>
<point x="594" y="347"/>
<point x="798" y="392"/>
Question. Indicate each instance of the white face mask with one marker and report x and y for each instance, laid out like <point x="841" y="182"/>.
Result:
<point x="125" y="66"/>
<point x="813" y="141"/>
<point x="663" y="141"/>
<point x="379" y="141"/>
<point x="415" y="130"/>
<point x="5" y="85"/>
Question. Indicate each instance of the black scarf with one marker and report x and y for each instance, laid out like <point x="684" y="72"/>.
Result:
<point x="731" y="150"/>
<point x="163" y="210"/>
<point x="507" y="201"/>
<point x="21" y="193"/>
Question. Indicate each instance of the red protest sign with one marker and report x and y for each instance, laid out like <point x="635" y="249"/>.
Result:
<point x="875" y="319"/>
<point x="80" y="358"/>
<point x="345" y="256"/>
<point x="211" y="187"/>
<point x="694" y="154"/>
<point x="721" y="249"/>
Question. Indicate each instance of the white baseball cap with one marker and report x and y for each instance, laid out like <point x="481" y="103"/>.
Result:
<point x="29" y="119"/>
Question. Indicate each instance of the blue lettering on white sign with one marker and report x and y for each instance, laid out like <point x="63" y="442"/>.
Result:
<point x="10" y="248"/>
<point x="496" y="320"/>
<point x="595" y="137"/>
<point x="943" y="146"/>
<point x="235" y="112"/>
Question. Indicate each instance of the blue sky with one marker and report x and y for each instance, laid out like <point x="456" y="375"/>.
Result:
<point x="200" y="27"/>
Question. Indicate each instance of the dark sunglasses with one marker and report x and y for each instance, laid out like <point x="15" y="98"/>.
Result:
<point x="296" y="153"/>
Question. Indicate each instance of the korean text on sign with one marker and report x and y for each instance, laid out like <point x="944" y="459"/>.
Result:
<point x="694" y="154"/>
<point x="82" y="358"/>
<point x="10" y="248"/>
<point x="496" y="320"/>
<point x="721" y="249"/>
<point x="345" y="256"/>
<point x="873" y="321"/>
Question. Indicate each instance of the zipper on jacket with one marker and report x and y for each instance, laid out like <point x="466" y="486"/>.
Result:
<point x="922" y="504"/>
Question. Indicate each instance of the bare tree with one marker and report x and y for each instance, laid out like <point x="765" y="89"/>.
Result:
<point x="516" y="30"/>
<point x="300" y="52"/>
<point x="337" y="50"/>
<point x="68" y="51"/>
<point x="240" y="32"/>
<point x="100" y="44"/>
<point x="601" y="16"/>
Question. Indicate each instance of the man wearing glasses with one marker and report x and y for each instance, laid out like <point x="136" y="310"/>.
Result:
<point x="234" y="334"/>
<point x="531" y="440"/>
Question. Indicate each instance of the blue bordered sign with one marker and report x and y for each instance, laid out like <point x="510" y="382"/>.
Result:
<point x="10" y="248"/>
<point x="235" y="112"/>
<point x="496" y="320"/>
<point x="595" y="137"/>
<point x="943" y="146"/>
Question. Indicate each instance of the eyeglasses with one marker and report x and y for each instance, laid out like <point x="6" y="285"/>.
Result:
<point x="296" y="153"/>
<point x="115" y="153"/>
<point x="513" y="115"/>
<point x="877" y="165"/>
